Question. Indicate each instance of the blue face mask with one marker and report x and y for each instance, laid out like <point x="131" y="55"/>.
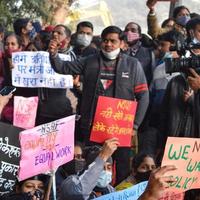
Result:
<point x="195" y="41"/>
<point x="32" y="33"/>
<point x="182" y="20"/>
<point x="167" y="55"/>
<point x="104" y="179"/>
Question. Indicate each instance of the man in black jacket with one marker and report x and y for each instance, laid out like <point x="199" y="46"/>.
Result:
<point x="110" y="74"/>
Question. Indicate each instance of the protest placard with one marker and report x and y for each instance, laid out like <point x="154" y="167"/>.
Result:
<point x="114" y="118"/>
<point x="25" y="110"/>
<point x="131" y="193"/>
<point x="33" y="69"/>
<point x="46" y="147"/>
<point x="172" y="196"/>
<point x="184" y="154"/>
<point x="10" y="156"/>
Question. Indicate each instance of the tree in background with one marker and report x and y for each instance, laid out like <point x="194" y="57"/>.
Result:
<point x="49" y="11"/>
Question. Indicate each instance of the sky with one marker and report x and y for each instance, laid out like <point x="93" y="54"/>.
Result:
<point x="124" y="11"/>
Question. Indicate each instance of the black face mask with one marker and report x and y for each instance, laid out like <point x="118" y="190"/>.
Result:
<point x="74" y="166"/>
<point x="142" y="176"/>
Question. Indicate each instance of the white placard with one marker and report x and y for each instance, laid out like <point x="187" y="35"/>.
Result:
<point x="33" y="70"/>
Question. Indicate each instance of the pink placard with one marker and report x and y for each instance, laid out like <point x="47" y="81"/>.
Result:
<point x="46" y="147"/>
<point x="25" y="110"/>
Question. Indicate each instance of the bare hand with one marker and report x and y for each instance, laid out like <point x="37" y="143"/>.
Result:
<point x="158" y="182"/>
<point x="151" y="3"/>
<point x="4" y="100"/>
<point x="187" y="94"/>
<point x="53" y="47"/>
<point x="108" y="149"/>
<point x="194" y="80"/>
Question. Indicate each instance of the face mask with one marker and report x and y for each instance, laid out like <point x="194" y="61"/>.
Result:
<point x="32" y="33"/>
<point x="195" y="41"/>
<point x="182" y="20"/>
<point x="111" y="55"/>
<point x="83" y="39"/>
<point x="142" y="176"/>
<point x="104" y="179"/>
<point x="74" y="166"/>
<point x="8" y="52"/>
<point x="167" y="55"/>
<point x="132" y="36"/>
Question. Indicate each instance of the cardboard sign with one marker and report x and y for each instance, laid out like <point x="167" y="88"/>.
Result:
<point x="25" y="110"/>
<point x="114" y="118"/>
<point x="131" y="193"/>
<point x="173" y="196"/>
<point x="46" y="147"/>
<point x="10" y="156"/>
<point x="33" y="70"/>
<point x="184" y="153"/>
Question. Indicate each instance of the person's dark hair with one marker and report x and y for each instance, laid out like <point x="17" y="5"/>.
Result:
<point x="67" y="30"/>
<point x="191" y="25"/>
<point x="171" y="36"/>
<point x="113" y="29"/>
<point x="92" y="152"/>
<point x="139" y="27"/>
<point x="193" y="15"/>
<point x="40" y="177"/>
<point x="45" y="37"/>
<point x="19" y="40"/>
<point x="19" y="24"/>
<point x="166" y="21"/>
<point x="96" y="40"/>
<point x="138" y="159"/>
<point x="37" y="26"/>
<point x="84" y="24"/>
<point x="178" y="9"/>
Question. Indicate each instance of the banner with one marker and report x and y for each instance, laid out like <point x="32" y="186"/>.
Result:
<point x="33" y="70"/>
<point x="114" y="118"/>
<point x="10" y="156"/>
<point x="46" y="147"/>
<point x="131" y="193"/>
<point x="25" y="110"/>
<point x="184" y="153"/>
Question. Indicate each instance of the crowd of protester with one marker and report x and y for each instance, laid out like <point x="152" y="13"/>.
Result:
<point x="120" y="63"/>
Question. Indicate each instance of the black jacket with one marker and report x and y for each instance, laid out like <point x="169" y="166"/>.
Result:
<point x="130" y="83"/>
<point x="178" y="117"/>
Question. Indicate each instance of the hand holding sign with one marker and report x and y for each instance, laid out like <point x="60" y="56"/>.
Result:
<point x="109" y="147"/>
<point x="151" y="3"/>
<point x="158" y="182"/>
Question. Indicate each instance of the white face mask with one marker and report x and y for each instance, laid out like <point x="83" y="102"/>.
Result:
<point x="195" y="41"/>
<point x="104" y="179"/>
<point x="111" y="55"/>
<point x="84" y="39"/>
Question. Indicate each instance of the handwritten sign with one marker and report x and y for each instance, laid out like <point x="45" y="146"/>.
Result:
<point x="113" y="118"/>
<point x="10" y="156"/>
<point x="25" y="110"/>
<point x="46" y="147"/>
<point x="184" y="153"/>
<point x="131" y="193"/>
<point x="172" y="196"/>
<point x="33" y="69"/>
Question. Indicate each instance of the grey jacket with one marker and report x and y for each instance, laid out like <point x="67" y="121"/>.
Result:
<point x="80" y="187"/>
